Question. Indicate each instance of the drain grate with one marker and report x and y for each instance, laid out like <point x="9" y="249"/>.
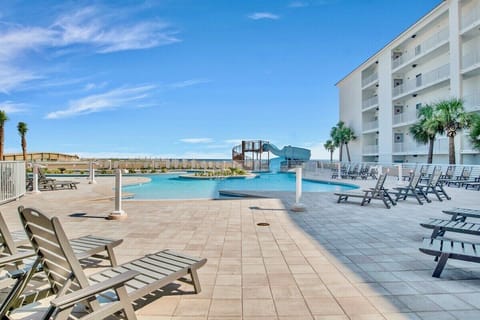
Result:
<point x="263" y="224"/>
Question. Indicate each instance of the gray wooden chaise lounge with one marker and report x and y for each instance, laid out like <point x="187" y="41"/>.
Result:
<point x="434" y="186"/>
<point x="15" y="249"/>
<point x="66" y="276"/>
<point x="444" y="249"/>
<point x="412" y="190"/>
<point x="376" y="193"/>
<point x="461" y="214"/>
<point x="440" y="226"/>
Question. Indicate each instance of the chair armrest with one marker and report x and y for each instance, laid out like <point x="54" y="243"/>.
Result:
<point x="16" y="257"/>
<point x="75" y="297"/>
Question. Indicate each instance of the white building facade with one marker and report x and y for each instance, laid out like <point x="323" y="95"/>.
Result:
<point x="436" y="58"/>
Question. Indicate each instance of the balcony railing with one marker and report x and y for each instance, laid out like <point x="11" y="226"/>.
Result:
<point x="370" y="125"/>
<point x="429" y="44"/>
<point x="425" y="80"/>
<point x="404" y="118"/>
<point x="370" y="149"/>
<point x="370" y="102"/>
<point x="440" y="147"/>
<point x="470" y="59"/>
<point x="472" y="102"/>
<point x="369" y="79"/>
<point x="470" y="18"/>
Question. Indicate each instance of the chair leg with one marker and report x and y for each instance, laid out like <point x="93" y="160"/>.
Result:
<point x="440" y="265"/>
<point x="111" y="255"/>
<point x="195" y="280"/>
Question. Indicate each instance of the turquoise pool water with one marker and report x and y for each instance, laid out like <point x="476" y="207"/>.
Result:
<point x="169" y="186"/>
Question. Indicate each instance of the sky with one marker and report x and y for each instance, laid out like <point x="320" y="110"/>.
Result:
<point x="184" y="78"/>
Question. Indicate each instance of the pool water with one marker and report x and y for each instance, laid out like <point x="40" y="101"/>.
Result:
<point x="170" y="186"/>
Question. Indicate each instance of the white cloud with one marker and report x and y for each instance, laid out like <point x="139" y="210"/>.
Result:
<point x="139" y="155"/>
<point x="297" y="4"/>
<point x="88" y="28"/>
<point x="263" y="15"/>
<point x="110" y="100"/>
<point x="90" y="86"/>
<point x="197" y="140"/>
<point x="11" y="107"/>
<point x="188" y="83"/>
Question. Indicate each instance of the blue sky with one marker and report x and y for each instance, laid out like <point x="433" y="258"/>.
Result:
<point x="184" y="78"/>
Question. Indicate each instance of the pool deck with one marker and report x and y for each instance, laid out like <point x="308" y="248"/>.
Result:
<point x="331" y="262"/>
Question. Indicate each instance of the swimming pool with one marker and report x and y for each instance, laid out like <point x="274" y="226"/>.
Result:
<point x="170" y="186"/>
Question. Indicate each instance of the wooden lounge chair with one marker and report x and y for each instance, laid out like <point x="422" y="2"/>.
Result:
<point x="434" y="186"/>
<point x="440" y="226"/>
<point x="377" y="193"/>
<point x="444" y="249"/>
<point x="15" y="248"/>
<point x="412" y="190"/>
<point x="460" y="179"/>
<point x="83" y="247"/>
<point x="461" y="214"/>
<point x="66" y="275"/>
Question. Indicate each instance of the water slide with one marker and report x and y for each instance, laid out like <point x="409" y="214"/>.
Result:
<point x="288" y="152"/>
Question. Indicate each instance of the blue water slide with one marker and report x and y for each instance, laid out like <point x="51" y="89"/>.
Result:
<point x="288" y="152"/>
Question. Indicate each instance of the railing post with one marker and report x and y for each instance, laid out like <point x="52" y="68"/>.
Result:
<point x="118" y="213"/>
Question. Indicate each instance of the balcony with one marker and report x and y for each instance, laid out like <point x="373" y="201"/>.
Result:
<point x="370" y="102"/>
<point x="472" y="102"/>
<point x="404" y="118"/>
<point x="470" y="62"/>
<point x="370" y="149"/>
<point x="426" y="80"/>
<point x="471" y="19"/>
<point x="440" y="147"/>
<point x="369" y="79"/>
<point x="370" y="125"/>
<point x="429" y="45"/>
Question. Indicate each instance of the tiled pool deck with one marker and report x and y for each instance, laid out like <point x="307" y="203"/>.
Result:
<point x="333" y="261"/>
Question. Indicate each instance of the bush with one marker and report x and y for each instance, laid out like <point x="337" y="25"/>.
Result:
<point x="132" y="171"/>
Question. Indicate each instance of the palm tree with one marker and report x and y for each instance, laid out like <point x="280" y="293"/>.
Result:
<point x="330" y="146"/>
<point x="22" y="130"/>
<point x="3" y="118"/>
<point x="475" y="131"/>
<point x="336" y="134"/>
<point x="452" y="118"/>
<point x="426" y="128"/>
<point x="348" y="135"/>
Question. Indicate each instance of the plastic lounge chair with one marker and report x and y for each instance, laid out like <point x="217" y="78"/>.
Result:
<point x="412" y="190"/>
<point x="434" y="186"/>
<point x="443" y="249"/>
<point x="461" y="214"/>
<point x="66" y="275"/>
<point x="377" y="193"/>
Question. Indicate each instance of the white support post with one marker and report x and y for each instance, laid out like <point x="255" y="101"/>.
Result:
<point x="339" y="170"/>
<point x="118" y="213"/>
<point x="298" y="206"/>
<point x="35" y="179"/>
<point x="91" y="179"/>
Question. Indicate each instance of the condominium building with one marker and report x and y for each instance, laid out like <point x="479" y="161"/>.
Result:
<point x="436" y="58"/>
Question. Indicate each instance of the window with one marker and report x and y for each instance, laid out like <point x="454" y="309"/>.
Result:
<point x="397" y="82"/>
<point x="418" y="50"/>
<point x="419" y="79"/>
<point x="398" y="138"/>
